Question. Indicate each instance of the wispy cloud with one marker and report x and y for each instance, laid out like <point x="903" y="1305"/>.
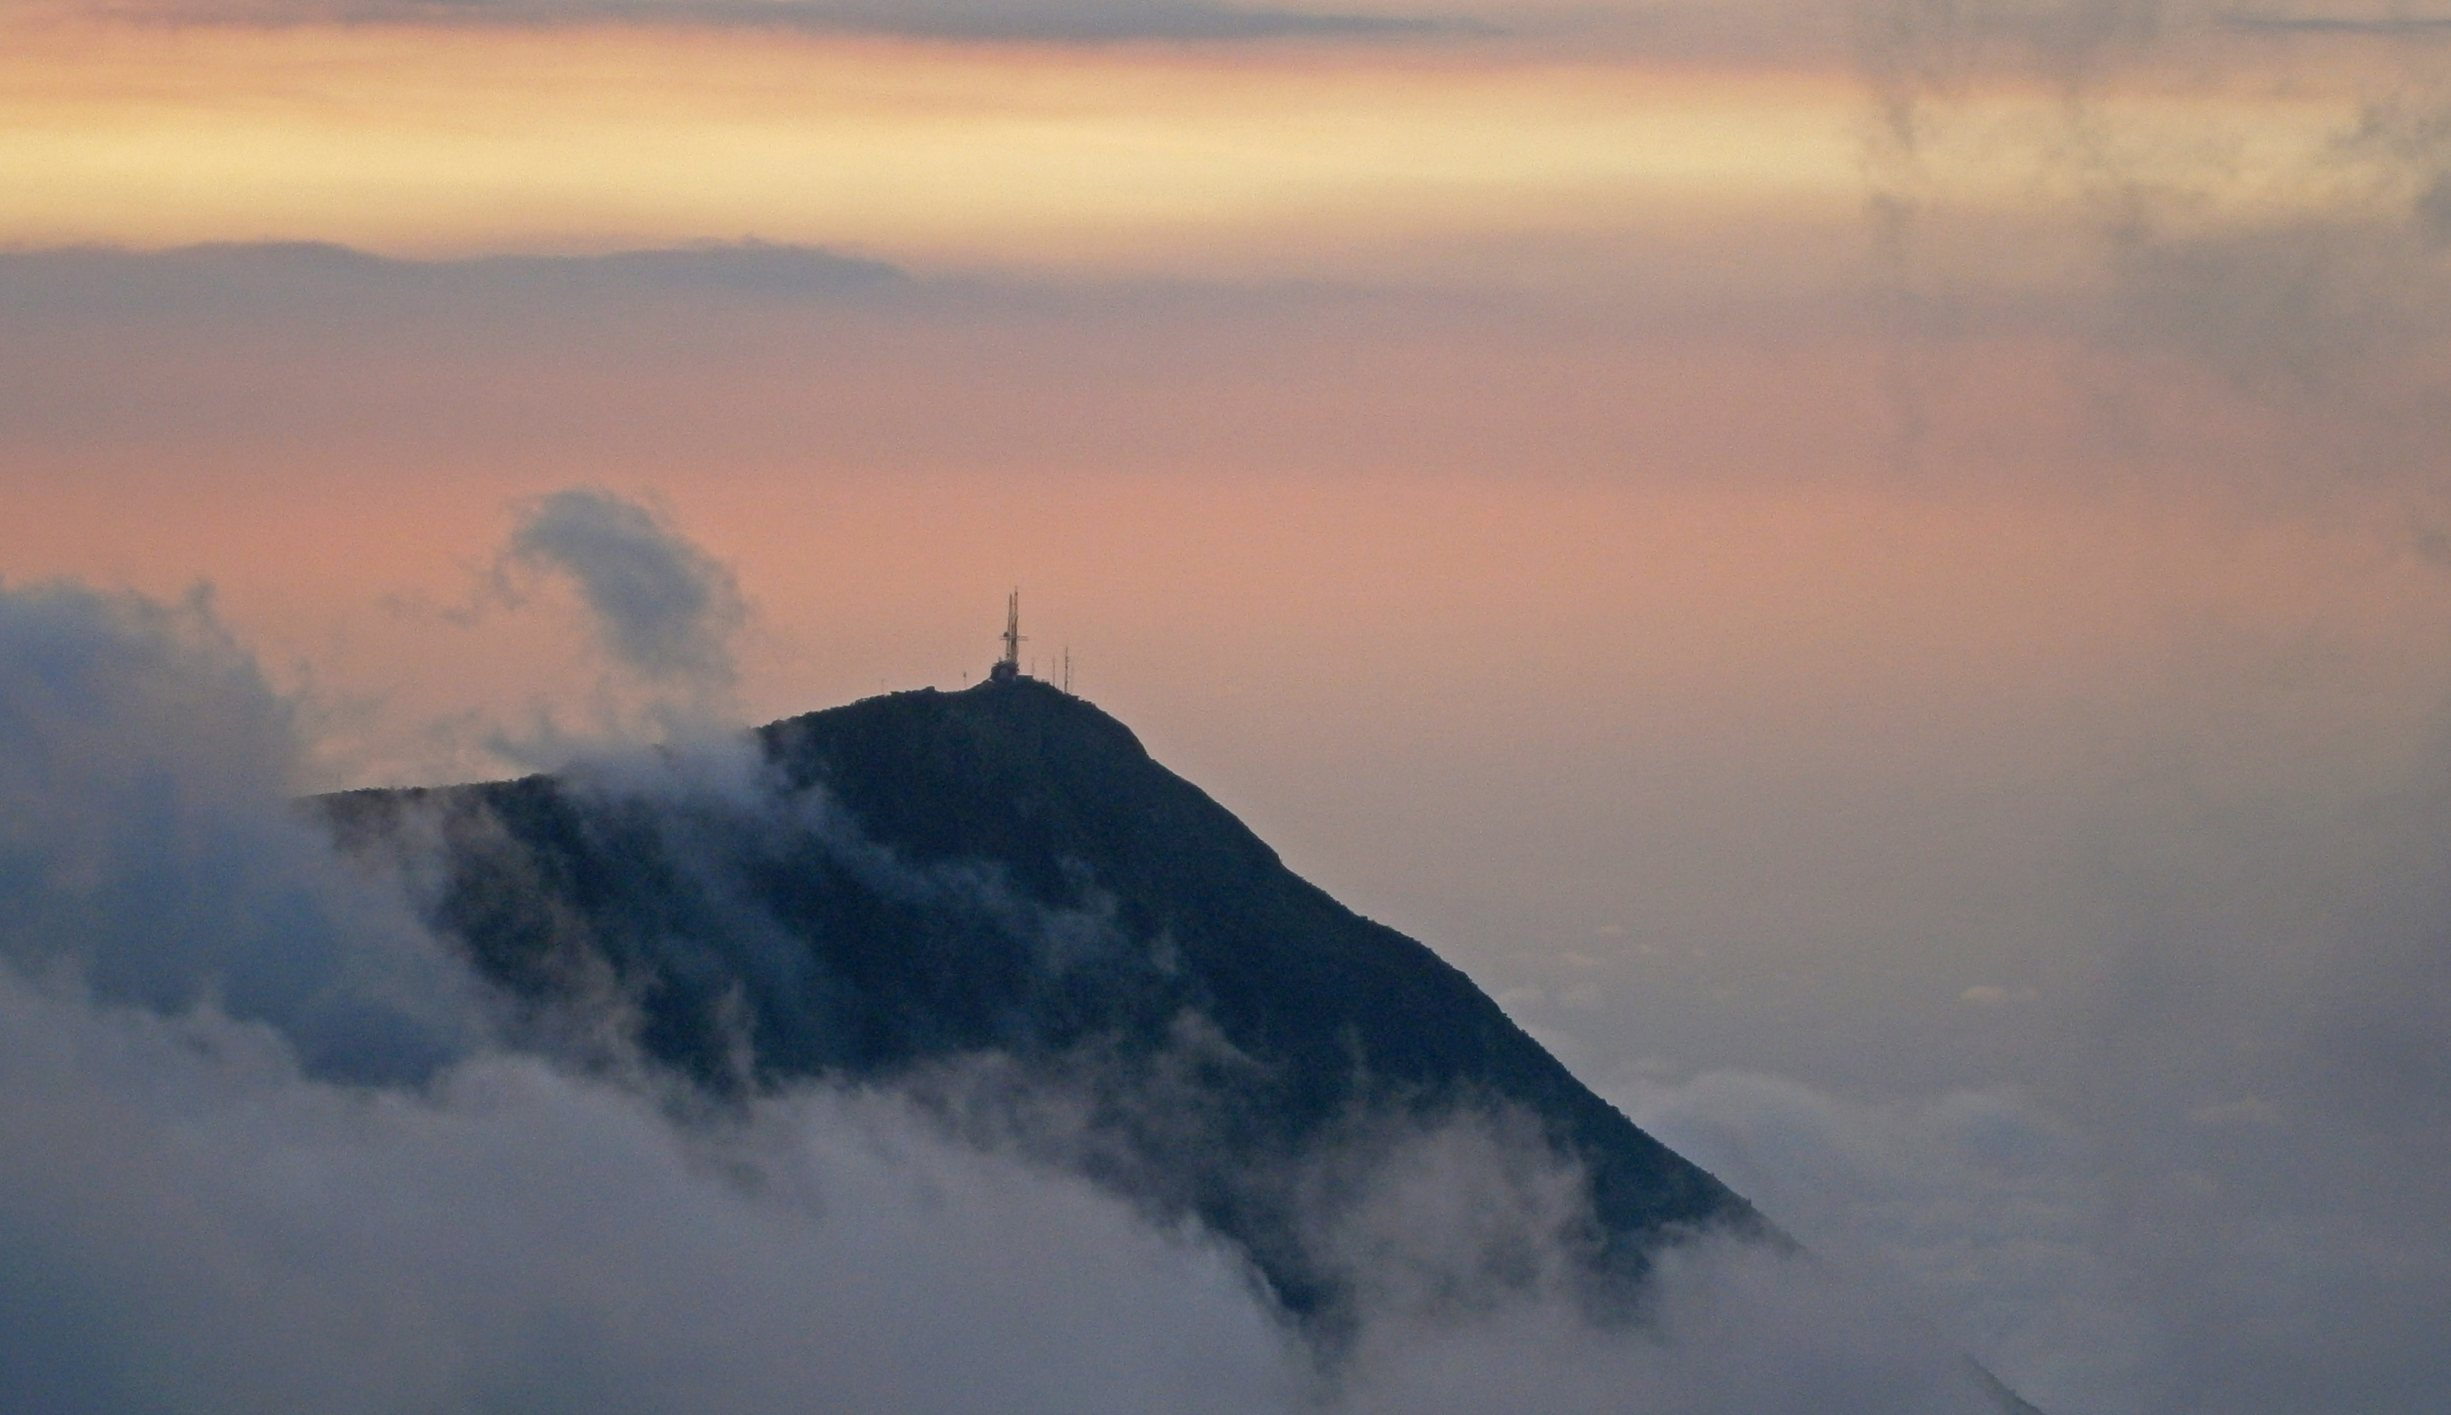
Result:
<point x="2301" y="276"/>
<point x="661" y="606"/>
<point x="2347" y="26"/>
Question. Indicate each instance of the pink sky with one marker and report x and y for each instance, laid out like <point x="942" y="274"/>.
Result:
<point x="1724" y="514"/>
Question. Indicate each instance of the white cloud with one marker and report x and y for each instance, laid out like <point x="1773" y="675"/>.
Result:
<point x="208" y="1207"/>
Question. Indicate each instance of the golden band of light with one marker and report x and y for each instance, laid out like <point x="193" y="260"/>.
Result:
<point x="436" y="140"/>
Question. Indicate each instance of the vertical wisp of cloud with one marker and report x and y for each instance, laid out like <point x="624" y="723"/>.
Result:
<point x="665" y="612"/>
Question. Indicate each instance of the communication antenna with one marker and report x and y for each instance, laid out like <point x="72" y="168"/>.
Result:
<point x="1067" y="668"/>
<point x="1009" y="667"/>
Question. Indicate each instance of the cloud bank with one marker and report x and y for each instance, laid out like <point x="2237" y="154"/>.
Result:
<point x="212" y="1205"/>
<point x="149" y="854"/>
<point x="2217" y="1181"/>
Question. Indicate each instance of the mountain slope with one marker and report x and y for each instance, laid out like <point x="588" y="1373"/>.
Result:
<point x="925" y="878"/>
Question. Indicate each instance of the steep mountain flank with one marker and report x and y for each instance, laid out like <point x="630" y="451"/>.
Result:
<point x="1002" y="877"/>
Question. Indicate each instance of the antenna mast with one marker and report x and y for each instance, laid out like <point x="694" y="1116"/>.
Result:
<point x="1009" y="666"/>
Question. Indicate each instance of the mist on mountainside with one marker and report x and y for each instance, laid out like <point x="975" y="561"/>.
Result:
<point x="292" y="1128"/>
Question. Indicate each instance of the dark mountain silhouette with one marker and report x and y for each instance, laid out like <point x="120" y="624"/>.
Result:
<point x="1004" y="873"/>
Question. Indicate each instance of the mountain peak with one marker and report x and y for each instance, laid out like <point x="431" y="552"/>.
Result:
<point x="1021" y="773"/>
<point x="1005" y="872"/>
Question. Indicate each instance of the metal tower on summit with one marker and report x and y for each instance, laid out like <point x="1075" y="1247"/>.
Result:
<point x="1008" y="667"/>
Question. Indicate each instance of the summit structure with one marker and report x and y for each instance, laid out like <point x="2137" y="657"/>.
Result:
<point x="1008" y="667"/>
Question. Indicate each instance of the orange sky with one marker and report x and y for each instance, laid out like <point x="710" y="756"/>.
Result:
<point x="419" y="141"/>
<point x="1316" y="158"/>
<point x="1550" y="483"/>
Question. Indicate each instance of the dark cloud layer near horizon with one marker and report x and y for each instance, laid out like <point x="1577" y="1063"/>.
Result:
<point x="2387" y="26"/>
<point x="267" y="275"/>
<point x="2278" y="356"/>
<point x="691" y="362"/>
